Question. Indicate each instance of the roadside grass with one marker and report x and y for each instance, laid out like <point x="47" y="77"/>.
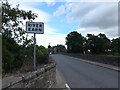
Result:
<point x="112" y="55"/>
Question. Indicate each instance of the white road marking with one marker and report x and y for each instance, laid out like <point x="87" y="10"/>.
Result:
<point x="67" y="86"/>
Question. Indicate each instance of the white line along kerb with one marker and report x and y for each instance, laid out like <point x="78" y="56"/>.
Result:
<point x="67" y="86"/>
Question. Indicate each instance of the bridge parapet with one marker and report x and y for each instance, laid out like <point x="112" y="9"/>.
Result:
<point x="42" y="78"/>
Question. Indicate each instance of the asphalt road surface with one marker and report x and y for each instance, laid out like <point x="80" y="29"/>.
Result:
<point x="79" y="74"/>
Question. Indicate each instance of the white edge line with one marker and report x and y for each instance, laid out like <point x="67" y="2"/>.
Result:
<point x="67" y="86"/>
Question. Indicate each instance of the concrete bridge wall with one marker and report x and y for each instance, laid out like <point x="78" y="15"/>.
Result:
<point x="42" y="78"/>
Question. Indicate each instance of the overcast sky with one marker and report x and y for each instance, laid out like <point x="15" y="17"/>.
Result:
<point x="61" y="18"/>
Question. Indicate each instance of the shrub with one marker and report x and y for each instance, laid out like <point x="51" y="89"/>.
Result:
<point x="12" y="57"/>
<point x="41" y="55"/>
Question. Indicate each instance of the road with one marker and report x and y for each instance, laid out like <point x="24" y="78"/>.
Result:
<point x="79" y="74"/>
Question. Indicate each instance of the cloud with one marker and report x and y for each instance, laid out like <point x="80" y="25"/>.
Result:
<point x="110" y="32"/>
<point x="63" y="9"/>
<point x="93" y="17"/>
<point x="50" y="35"/>
<point x="49" y="2"/>
<point x="42" y="16"/>
<point x="52" y="38"/>
<point x="66" y="0"/>
<point x="102" y="15"/>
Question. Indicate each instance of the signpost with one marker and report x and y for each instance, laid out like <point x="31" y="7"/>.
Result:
<point x="36" y="28"/>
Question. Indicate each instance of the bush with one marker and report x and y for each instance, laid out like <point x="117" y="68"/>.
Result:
<point x="12" y="55"/>
<point x="15" y="56"/>
<point x="41" y="55"/>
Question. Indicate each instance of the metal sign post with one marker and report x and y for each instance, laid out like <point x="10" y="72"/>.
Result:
<point x="34" y="52"/>
<point x="36" y="28"/>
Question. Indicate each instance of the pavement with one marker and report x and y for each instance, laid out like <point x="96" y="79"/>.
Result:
<point x="100" y="64"/>
<point x="60" y="81"/>
<point x="76" y="73"/>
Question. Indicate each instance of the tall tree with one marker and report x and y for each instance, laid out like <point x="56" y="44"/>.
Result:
<point x="12" y="21"/>
<point x="98" y="44"/>
<point x="74" y="42"/>
<point x="105" y="43"/>
<point x="12" y="34"/>
<point x="115" y="46"/>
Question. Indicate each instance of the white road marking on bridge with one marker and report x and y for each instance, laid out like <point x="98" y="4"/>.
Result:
<point x="67" y="86"/>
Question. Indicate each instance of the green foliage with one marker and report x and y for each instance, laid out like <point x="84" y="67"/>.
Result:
<point x="98" y="44"/>
<point x="12" y="55"/>
<point x="115" y="46"/>
<point x="74" y="42"/>
<point x="59" y="49"/>
<point x="12" y="20"/>
<point x="28" y="53"/>
<point x="41" y="55"/>
<point x="14" y="39"/>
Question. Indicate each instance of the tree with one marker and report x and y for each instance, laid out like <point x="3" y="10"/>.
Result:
<point x="12" y="54"/>
<point x="60" y="48"/>
<point x="115" y="46"/>
<point x="74" y="42"/>
<point x="12" y="21"/>
<point x="98" y="44"/>
<point x="106" y="43"/>
<point x="14" y="39"/>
